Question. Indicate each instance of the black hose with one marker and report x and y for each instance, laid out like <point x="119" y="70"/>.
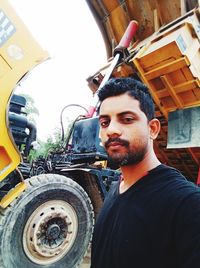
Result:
<point x="61" y="120"/>
<point x="32" y="137"/>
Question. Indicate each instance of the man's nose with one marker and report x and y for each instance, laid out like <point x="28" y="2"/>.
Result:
<point x="113" y="129"/>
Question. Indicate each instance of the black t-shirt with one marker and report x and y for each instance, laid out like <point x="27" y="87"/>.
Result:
<point x="154" y="224"/>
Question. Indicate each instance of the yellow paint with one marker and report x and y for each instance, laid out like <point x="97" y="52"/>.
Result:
<point x="18" y="55"/>
<point x="12" y="194"/>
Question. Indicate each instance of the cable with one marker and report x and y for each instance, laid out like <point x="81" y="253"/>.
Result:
<point x="61" y="119"/>
<point x="71" y="130"/>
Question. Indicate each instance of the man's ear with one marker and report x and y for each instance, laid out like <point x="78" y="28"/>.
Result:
<point x="154" y="125"/>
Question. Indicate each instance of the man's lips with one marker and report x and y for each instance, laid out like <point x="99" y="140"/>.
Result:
<point x="116" y="143"/>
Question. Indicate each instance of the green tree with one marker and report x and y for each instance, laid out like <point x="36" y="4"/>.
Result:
<point x="53" y="143"/>
<point x="30" y="108"/>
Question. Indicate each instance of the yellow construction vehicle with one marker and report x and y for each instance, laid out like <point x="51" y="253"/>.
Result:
<point x="45" y="220"/>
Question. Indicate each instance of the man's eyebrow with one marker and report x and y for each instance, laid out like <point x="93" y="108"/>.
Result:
<point x="103" y="116"/>
<point x="127" y="112"/>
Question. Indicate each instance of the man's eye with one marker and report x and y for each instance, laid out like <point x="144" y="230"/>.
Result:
<point x="104" y="123"/>
<point x="127" y="120"/>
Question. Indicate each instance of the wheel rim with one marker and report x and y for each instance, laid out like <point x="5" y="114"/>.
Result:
<point x="50" y="232"/>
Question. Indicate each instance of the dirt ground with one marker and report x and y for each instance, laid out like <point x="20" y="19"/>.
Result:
<point x="86" y="261"/>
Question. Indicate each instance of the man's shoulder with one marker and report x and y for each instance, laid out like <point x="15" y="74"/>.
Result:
<point x="164" y="172"/>
<point x="175" y="183"/>
<point x="167" y="170"/>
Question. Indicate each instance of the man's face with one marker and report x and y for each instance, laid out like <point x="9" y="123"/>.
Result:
<point x="124" y="129"/>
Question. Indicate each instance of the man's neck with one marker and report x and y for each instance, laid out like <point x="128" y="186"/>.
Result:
<point x="132" y="173"/>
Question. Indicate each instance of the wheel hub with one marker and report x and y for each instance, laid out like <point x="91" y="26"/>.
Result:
<point x="53" y="232"/>
<point x="50" y="232"/>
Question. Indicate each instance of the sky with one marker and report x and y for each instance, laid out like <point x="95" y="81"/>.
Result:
<point x="68" y="31"/>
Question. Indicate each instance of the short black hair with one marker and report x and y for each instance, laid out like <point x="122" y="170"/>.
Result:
<point x="134" y="88"/>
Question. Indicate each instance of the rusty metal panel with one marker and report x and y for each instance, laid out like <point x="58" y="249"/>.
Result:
<point x="184" y="128"/>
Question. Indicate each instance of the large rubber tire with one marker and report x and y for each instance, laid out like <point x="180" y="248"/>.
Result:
<point x="49" y="225"/>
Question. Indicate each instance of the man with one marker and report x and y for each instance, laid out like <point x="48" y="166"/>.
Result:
<point x="151" y="217"/>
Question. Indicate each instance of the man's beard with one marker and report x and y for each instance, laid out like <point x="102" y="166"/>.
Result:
<point x="133" y="155"/>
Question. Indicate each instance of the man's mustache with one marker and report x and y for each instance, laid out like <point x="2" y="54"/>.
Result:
<point x="117" y="140"/>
